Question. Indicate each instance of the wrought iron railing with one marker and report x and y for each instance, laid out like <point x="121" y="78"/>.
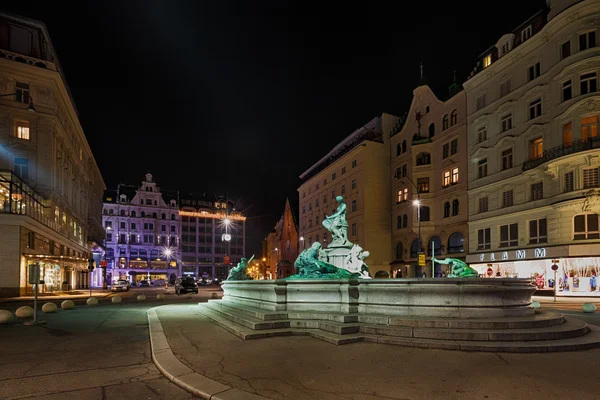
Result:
<point x="575" y="146"/>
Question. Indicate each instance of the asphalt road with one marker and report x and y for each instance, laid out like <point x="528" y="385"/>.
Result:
<point x="91" y="352"/>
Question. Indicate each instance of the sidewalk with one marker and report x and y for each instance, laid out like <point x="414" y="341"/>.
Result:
<point x="214" y="364"/>
<point x="72" y="295"/>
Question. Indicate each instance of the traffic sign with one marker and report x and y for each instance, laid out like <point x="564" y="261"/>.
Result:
<point x="421" y="260"/>
<point x="226" y="260"/>
<point x="490" y="272"/>
<point x="103" y="263"/>
<point x="554" y="267"/>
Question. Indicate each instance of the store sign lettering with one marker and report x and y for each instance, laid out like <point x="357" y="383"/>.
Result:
<point x="519" y="255"/>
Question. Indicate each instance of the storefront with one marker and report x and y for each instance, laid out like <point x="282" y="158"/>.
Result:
<point x="578" y="273"/>
<point x="58" y="275"/>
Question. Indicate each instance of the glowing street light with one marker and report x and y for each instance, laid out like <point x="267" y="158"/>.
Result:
<point x="227" y="221"/>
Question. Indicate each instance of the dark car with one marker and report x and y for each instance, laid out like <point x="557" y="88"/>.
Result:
<point x="144" y="283"/>
<point x="186" y="285"/>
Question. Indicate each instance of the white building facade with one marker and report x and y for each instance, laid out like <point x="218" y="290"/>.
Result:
<point x="534" y="152"/>
<point x="142" y="234"/>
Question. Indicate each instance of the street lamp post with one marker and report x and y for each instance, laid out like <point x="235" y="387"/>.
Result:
<point x="30" y="100"/>
<point x="417" y="203"/>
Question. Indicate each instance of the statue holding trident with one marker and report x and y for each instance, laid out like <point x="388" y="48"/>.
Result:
<point x="338" y="226"/>
<point x="238" y="273"/>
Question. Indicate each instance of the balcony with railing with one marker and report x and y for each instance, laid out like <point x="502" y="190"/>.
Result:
<point x="566" y="149"/>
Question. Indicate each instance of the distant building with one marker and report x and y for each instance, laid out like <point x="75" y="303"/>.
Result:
<point x="270" y="254"/>
<point x="533" y="110"/>
<point x="213" y="236"/>
<point x="280" y="247"/>
<point x="50" y="185"/>
<point x="358" y="169"/>
<point x="429" y="164"/>
<point x="142" y="233"/>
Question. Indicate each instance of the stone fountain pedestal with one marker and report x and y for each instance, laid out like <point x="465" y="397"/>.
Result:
<point x="337" y="254"/>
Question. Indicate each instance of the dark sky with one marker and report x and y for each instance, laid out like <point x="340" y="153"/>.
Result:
<point x="243" y="96"/>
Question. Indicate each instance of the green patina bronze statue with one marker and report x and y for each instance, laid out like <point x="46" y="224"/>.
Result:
<point x="459" y="268"/>
<point x="312" y="264"/>
<point x="238" y="273"/>
<point x="338" y="226"/>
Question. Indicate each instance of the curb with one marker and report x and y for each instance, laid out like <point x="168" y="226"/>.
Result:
<point x="183" y="376"/>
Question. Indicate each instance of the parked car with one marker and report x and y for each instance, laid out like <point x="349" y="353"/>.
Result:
<point x="186" y="284"/>
<point x="144" y="283"/>
<point x="119" y="286"/>
<point x="204" y="282"/>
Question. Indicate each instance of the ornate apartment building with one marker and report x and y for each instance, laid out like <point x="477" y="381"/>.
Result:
<point x="213" y="236"/>
<point x="429" y="182"/>
<point x="358" y="169"/>
<point x="142" y="233"/>
<point x="534" y="151"/>
<point x="50" y="186"/>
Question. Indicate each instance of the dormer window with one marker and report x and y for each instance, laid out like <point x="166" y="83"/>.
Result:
<point x="505" y="49"/>
<point x="487" y="61"/>
<point x="526" y="33"/>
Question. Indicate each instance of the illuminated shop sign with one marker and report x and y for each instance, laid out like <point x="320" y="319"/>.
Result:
<point x="514" y="255"/>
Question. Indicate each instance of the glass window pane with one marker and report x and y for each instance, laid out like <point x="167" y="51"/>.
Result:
<point x="592" y="220"/>
<point x="580" y="223"/>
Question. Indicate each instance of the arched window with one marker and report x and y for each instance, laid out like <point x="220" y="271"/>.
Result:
<point x="423" y="159"/>
<point x="445" y="122"/>
<point x="399" y="222"/>
<point x="431" y="130"/>
<point x="404" y="146"/>
<point x="399" y="251"/>
<point x="446" y="209"/>
<point x="456" y="243"/>
<point x="164" y="216"/>
<point x="455" y="207"/>
<point x="133" y="214"/>
<point x="453" y="117"/>
<point x="123" y="212"/>
<point x="435" y="244"/>
<point x="153" y="215"/>
<point x="398" y="149"/>
<point x="415" y="247"/>
<point x="405" y="221"/>
<point x="143" y="214"/>
<point x="424" y="213"/>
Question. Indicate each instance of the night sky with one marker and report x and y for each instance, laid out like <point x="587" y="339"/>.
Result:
<point x="241" y="97"/>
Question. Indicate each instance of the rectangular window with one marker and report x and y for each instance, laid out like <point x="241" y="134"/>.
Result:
<point x="317" y="202"/>
<point x="535" y="108"/>
<point x="22" y="130"/>
<point x="536" y="148"/>
<point x="353" y="205"/>
<point x="333" y="194"/>
<point x="481" y="102"/>
<point x="163" y="228"/>
<point x="133" y="239"/>
<point x="172" y="228"/>
<point x="506" y="122"/>
<point x="591" y="178"/>
<point x="343" y="191"/>
<point x="22" y="168"/>
<point x="505" y="88"/>
<point x="122" y="225"/>
<point x="22" y="90"/>
<point x="454" y="175"/>
<point x="509" y="235"/>
<point x="483" y="204"/>
<point x="526" y="33"/>
<point x="423" y="185"/>
<point x="343" y="170"/>
<point x="567" y="91"/>
<point x="109" y="237"/>
<point x="317" y="187"/>
<point x="589" y="127"/>
<point x="333" y="176"/>
<point x="537" y="191"/>
<point x="483" y="239"/>
<point x="324" y="199"/>
<point x="565" y="50"/>
<point x="534" y="71"/>
<point x="108" y="224"/>
<point x="586" y="227"/>
<point x="505" y="48"/>
<point x="587" y="40"/>
<point x="122" y="238"/>
<point x="507" y="159"/>
<point x="507" y="198"/>
<point x="487" y="61"/>
<point x="568" y="182"/>
<point x="482" y="134"/>
<point x="454" y="147"/>
<point x="353" y="163"/>
<point x="133" y="226"/>
<point x="353" y="229"/>
<point x="353" y="185"/>
<point x="538" y="231"/>
<point x="446" y="178"/>
<point x="482" y="168"/>
<point x="588" y="83"/>
<point x="446" y="150"/>
<point x="568" y="134"/>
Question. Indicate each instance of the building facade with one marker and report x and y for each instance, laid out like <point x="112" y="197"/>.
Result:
<point x="213" y="236"/>
<point x="533" y="109"/>
<point x="50" y="185"/>
<point x="429" y="183"/>
<point x="280" y="247"/>
<point x="358" y="169"/>
<point x="142" y="233"/>
<point x="270" y="254"/>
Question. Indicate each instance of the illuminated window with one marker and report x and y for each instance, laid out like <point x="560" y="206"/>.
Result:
<point x="455" y="175"/>
<point x="536" y="148"/>
<point x="446" y="178"/>
<point x="487" y="61"/>
<point x="509" y="235"/>
<point x="22" y="130"/>
<point x="589" y="127"/>
<point x="402" y="195"/>
<point x="568" y="134"/>
<point x="423" y="185"/>
<point x="80" y="154"/>
<point x="586" y="227"/>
